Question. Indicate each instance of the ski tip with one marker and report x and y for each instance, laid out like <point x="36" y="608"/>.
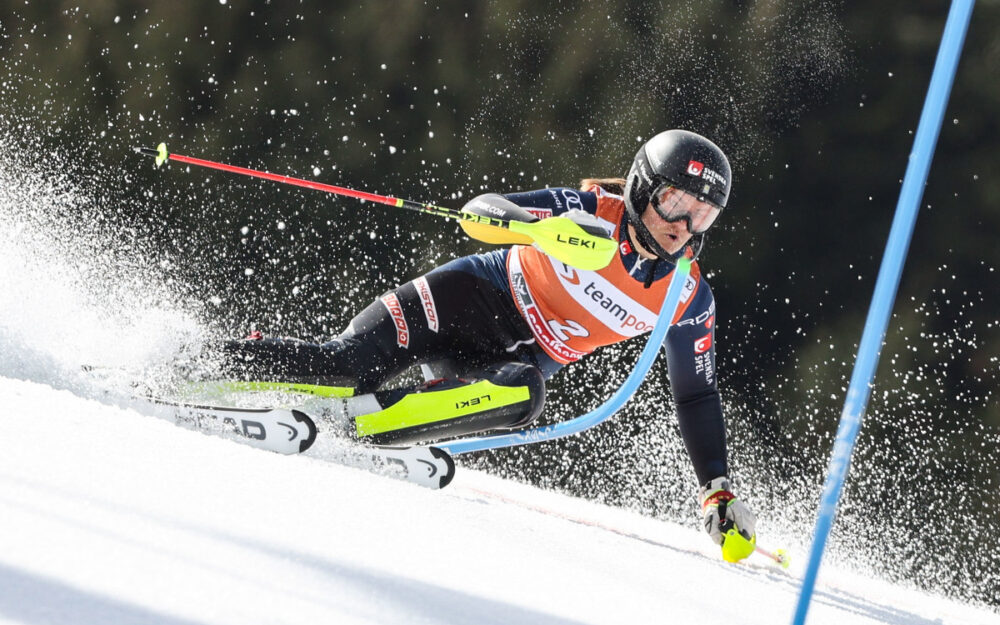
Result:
<point x="444" y="456"/>
<point x="306" y="420"/>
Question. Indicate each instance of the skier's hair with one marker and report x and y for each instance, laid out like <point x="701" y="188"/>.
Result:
<point x="611" y="185"/>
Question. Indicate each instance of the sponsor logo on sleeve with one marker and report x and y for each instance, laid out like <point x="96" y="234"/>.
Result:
<point x="573" y="201"/>
<point x="427" y="301"/>
<point x="391" y="303"/>
<point x="706" y="316"/>
<point x="556" y="198"/>
<point x="541" y="213"/>
<point x="703" y="365"/>
<point x="703" y="344"/>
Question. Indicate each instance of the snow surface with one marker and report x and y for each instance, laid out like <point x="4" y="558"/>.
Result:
<point x="109" y="516"/>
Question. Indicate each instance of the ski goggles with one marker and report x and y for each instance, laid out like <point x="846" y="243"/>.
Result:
<point x="673" y="204"/>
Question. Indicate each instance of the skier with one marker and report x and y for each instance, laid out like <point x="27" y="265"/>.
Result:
<point x="488" y="329"/>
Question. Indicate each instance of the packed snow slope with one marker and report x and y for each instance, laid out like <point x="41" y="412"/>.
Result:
<point x="109" y="516"/>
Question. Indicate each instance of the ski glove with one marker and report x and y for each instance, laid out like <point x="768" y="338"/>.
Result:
<point x="728" y="520"/>
<point x="499" y="207"/>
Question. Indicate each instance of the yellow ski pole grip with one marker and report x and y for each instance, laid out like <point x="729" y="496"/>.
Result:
<point x="735" y="546"/>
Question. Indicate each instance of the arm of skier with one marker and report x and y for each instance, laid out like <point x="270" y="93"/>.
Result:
<point x="690" y="350"/>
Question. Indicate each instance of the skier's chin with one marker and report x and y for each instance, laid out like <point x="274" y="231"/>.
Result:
<point x="672" y="243"/>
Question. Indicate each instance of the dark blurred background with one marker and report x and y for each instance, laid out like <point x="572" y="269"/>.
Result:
<point x="815" y="102"/>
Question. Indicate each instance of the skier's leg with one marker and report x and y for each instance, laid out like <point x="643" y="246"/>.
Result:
<point x="380" y="342"/>
<point x="446" y="315"/>
<point x="508" y="395"/>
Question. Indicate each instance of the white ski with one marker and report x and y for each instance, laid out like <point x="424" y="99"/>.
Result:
<point x="426" y="465"/>
<point x="281" y="430"/>
<point x="291" y="431"/>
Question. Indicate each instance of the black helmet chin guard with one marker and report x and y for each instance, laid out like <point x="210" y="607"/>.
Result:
<point x="687" y="161"/>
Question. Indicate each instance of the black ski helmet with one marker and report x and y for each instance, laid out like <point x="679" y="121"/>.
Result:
<point x="686" y="160"/>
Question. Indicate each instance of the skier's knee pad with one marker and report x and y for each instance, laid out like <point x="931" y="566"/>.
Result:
<point x="520" y="374"/>
<point x="508" y="396"/>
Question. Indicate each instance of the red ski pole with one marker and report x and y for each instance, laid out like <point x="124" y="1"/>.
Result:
<point x="560" y="237"/>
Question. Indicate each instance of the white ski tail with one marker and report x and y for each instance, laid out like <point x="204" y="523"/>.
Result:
<point x="291" y="431"/>
<point x="285" y="431"/>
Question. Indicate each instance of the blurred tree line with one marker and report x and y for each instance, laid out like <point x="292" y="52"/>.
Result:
<point x="815" y="102"/>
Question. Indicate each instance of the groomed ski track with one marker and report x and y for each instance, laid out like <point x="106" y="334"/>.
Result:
<point x="108" y="516"/>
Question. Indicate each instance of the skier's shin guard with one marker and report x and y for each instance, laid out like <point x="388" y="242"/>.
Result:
<point x="508" y="396"/>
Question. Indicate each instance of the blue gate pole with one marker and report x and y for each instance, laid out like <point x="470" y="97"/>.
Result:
<point x="885" y="288"/>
